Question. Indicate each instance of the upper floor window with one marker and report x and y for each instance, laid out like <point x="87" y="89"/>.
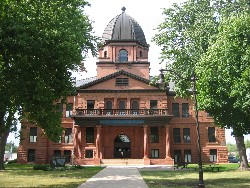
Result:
<point x="69" y="109"/>
<point x="33" y="134"/>
<point x="90" y="106"/>
<point x="121" y="82"/>
<point x="185" y="110"/>
<point x="105" y="54"/>
<point x="108" y="107"/>
<point x="186" y="135"/>
<point x="123" y="56"/>
<point x="154" y="136"/>
<point x="211" y="134"/>
<point x="175" y="109"/>
<point x="135" y="107"/>
<point x="68" y="135"/>
<point x="141" y="53"/>
<point x="177" y="135"/>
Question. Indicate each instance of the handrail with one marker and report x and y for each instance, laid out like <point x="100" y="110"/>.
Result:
<point x="121" y="112"/>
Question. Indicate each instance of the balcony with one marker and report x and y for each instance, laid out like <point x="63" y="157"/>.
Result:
<point x="121" y="117"/>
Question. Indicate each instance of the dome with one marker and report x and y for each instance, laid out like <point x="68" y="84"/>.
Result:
<point x="123" y="27"/>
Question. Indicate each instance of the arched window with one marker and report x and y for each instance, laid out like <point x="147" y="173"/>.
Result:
<point x="123" y="56"/>
<point x="105" y="54"/>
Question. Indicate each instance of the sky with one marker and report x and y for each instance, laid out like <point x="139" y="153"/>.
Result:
<point x="147" y="13"/>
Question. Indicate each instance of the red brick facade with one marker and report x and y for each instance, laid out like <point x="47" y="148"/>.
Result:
<point x="119" y="115"/>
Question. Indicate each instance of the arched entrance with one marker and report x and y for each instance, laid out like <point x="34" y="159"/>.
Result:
<point x="122" y="147"/>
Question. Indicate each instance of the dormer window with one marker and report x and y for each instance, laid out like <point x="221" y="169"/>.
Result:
<point x="123" y="56"/>
<point x="105" y="54"/>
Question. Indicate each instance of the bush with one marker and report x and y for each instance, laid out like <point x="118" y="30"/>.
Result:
<point x="12" y="161"/>
<point x="44" y="167"/>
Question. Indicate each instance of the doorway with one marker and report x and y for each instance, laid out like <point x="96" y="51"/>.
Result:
<point x="122" y="147"/>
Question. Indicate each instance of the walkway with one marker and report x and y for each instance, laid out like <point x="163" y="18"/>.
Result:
<point x="116" y="177"/>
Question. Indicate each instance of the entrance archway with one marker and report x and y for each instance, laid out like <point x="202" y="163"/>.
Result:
<point x="122" y="147"/>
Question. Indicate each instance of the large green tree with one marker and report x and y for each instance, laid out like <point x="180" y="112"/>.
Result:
<point x="224" y="73"/>
<point x="185" y="36"/>
<point x="41" y="42"/>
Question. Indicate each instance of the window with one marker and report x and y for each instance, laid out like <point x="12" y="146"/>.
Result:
<point x="135" y="107"/>
<point x="90" y="106"/>
<point x="57" y="153"/>
<point x="121" y="82"/>
<point x="67" y="154"/>
<point x="154" y="137"/>
<point x="90" y="134"/>
<point x="141" y="53"/>
<point x="154" y="153"/>
<point x="105" y="54"/>
<point x="213" y="155"/>
<point x="187" y="156"/>
<point x="175" y="109"/>
<point x="177" y="135"/>
<point x="177" y="156"/>
<point x="88" y="153"/>
<point x="69" y="110"/>
<point x="123" y="56"/>
<point x="60" y="108"/>
<point x="185" y="110"/>
<point x="211" y="134"/>
<point x="153" y="107"/>
<point x="68" y="135"/>
<point x="33" y="134"/>
<point x="31" y="155"/>
<point x="122" y="107"/>
<point x="108" y="107"/>
<point x="186" y="135"/>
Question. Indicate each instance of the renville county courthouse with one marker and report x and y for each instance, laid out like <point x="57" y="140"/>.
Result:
<point x="119" y="117"/>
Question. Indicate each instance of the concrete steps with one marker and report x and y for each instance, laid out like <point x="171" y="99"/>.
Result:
<point x="111" y="162"/>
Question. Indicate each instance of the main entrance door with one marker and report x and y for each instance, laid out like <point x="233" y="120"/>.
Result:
<point x="122" y="147"/>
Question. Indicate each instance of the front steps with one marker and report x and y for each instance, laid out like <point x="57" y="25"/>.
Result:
<point x="122" y="162"/>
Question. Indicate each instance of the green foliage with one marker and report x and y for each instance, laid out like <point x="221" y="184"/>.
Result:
<point x="12" y="161"/>
<point x="44" y="167"/>
<point x="47" y="167"/>
<point x="231" y="147"/>
<point x="247" y="143"/>
<point x="11" y="145"/>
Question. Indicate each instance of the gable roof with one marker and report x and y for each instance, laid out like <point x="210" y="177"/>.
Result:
<point x="113" y="75"/>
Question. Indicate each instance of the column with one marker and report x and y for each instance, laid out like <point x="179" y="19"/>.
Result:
<point x="77" y="141"/>
<point x="98" y="144"/>
<point x="167" y="141"/>
<point x="145" y="129"/>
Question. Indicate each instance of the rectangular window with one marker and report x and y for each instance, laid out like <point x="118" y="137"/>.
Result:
<point x="68" y="135"/>
<point x="90" y="106"/>
<point x="187" y="156"/>
<point x="154" y="153"/>
<point x="33" y="134"/>
<point x="154" y="136"/>
<point x="69" y="110"/>
<point x="67" y="154"/>
<point x="186" y="135"/>
<point x="211" y="134"/>
<point x="31" y="155"/>
<point x="177" y="135"/>
<point x="185" y="110"/>
<point x="60" y="108"/>
<point x="88" y="153"/>
<point x="89" y="134"/>
<point x="153" y="107"/>
<point x="213" y="155"/>
<point x="177" y="156"/>
<point x="175" y="109"/>
<point x="121" y="82"/>
<point x="57" y="153"/>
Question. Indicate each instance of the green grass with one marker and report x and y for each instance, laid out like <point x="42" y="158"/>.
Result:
<point x="228" y="177"/>
<point x="16" y="175"/>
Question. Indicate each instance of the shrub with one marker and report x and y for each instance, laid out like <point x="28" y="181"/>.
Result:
<point x="44" y="167"/>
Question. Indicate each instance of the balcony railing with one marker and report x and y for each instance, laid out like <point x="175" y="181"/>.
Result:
<point x="107" y="112"/>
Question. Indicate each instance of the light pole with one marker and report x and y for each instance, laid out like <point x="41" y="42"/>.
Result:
<point x="193" y="81"/>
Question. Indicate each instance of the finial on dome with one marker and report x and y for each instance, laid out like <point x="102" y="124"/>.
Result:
<point x="123" y="9"/>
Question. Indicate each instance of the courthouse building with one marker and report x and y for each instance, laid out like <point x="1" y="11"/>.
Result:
<point x="117" y="117"/>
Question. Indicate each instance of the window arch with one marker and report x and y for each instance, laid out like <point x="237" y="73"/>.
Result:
<point x="123" y="56"/>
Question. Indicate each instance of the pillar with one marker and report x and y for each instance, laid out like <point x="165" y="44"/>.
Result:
<point x="167" y="142"/>
<point x="77" y="141"/>
<point x="98" y="142"/>
<point x="145" y="148"/>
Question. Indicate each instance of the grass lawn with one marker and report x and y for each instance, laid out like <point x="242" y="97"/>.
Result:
<point x="16" y="175"/>
<point x="228" y="177"/>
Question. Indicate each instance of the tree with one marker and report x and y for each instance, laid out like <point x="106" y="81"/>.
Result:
<point x="226" y="76"/>
<point x="185" y="36"/>
<point x="11" y="147"/>
<point x="40" y="43"/>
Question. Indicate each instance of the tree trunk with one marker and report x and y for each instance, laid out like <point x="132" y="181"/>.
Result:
<point x="4" y="133"/>
<point x="242" y="152"/>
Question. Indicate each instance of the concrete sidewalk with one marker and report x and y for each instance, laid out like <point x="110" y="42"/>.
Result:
<point x="116" y="177"/>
